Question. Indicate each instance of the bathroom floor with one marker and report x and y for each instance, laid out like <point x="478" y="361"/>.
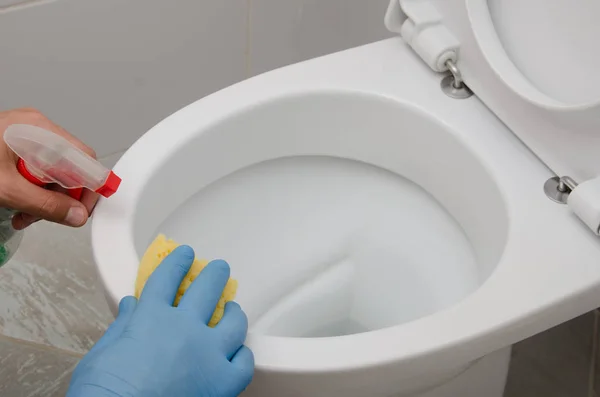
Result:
<point x="52" y="311"/>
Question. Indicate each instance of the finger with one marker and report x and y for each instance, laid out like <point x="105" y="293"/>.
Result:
<point x="232" y="329"/>
<point x="89" y="200"/>
<point x="88" y="197"/>
<point x="243" y="363"/>
<point x="20" y="221"/>
<point x="28" y="198"/>
<point x="126" y="309"/>
<point x="243" y="358"/>
<point x="162" y="285"/>
<point x="204" y="293"/>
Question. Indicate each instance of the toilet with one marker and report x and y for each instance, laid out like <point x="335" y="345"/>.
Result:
<point x="398" y="215"/>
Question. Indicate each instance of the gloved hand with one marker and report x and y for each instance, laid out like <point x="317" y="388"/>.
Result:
<point x="156" y="350"/>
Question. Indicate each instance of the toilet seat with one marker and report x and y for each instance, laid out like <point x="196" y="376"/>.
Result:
<point x="519" y="58"/>
<point x="512" y="225"/>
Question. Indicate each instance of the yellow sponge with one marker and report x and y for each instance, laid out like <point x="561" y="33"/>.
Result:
<point x="156" y="252"/>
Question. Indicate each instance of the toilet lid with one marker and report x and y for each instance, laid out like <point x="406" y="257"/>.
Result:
<point x="534" y="63"/>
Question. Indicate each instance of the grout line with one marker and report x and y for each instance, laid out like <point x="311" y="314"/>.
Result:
<point x="39" y="346"/>
<point x="121" y="151"/>
<point x="594" y="355"/>
<point x="248" y="38"/>
<point x="23" y="4"/>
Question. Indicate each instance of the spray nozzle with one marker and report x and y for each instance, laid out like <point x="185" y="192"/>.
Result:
<point x="45" y="157"/>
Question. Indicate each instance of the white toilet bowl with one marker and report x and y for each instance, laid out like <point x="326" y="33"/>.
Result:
<point x="389" y="240"/>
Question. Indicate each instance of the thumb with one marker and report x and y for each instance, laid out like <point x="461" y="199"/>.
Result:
<point x="28" y="198"/>
<point x="126" y="309"/>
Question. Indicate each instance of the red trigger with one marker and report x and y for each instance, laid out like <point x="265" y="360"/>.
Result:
<point x="73" y="193"/>
<point x="76" y="193"/>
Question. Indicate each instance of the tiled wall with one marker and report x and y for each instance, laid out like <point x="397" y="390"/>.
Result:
<point x="108" y="70"/>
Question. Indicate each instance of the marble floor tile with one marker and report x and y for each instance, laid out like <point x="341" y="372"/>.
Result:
<point x="555" y="363"/>
<point x="31" y="371"/>
<point x="49" y="291"/>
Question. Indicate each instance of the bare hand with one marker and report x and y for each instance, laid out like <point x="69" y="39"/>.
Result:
<point x="33" y="202"/>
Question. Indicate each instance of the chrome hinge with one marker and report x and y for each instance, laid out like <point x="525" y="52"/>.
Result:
<point x="558" y="189"/>
<point x="421" y="26"/>
<point x="453" y="84"/>
<point x="583" y="199"/>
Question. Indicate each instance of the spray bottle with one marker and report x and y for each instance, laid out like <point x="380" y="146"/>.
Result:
<point x="47" y="158"/>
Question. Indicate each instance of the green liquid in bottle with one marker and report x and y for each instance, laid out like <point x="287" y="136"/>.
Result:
<point x="10" y="239"/>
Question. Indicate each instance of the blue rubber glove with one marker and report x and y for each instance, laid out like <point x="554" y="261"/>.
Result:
<point x="155" y="349"/>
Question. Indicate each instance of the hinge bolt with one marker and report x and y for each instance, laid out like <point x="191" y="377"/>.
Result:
<point x="453" y="85"/>
<point x="566" y="184"/>
<point x="558" y="188"/>
<point x="458" y="82"/>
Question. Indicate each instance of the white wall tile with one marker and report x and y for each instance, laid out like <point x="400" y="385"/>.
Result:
<point x="9" y="3"/>
<point x="284" y="32"/>
<point x="108" y="70"/>
<point x="111" y="160"/>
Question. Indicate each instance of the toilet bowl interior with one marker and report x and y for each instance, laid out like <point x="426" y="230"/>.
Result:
<point x="339" y="212"/>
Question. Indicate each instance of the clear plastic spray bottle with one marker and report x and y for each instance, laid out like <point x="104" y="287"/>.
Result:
<point x="47" y="158"/>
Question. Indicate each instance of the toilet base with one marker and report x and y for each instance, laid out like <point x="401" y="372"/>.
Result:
<point x="487" y="377"/>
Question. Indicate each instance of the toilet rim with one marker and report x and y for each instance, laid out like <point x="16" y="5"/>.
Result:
<point x="115" y="218"/>
<point x="471" y="329"/>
